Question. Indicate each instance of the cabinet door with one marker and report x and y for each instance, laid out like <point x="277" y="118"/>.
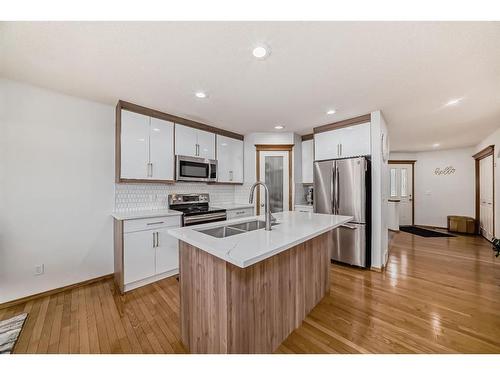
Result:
<point x="167" y="252"/>
<point x="134" y="145"/>
<point x="138" y="256"/>
<point x="185" y="140"/>
<point x="162" y="149"/>
<point x="307" y="161"/>
<point x="356" y="141"/>
<point x="326" y="144"/>
<point x="229" y="159"/>
<point x="206" y="144"/>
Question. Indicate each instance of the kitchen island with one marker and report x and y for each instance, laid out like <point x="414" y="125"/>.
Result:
<point x="244" y="290"/>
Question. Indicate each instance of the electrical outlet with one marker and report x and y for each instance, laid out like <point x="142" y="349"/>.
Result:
<point x="39" y="269"/>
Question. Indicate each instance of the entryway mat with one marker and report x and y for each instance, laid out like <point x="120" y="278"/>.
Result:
<point x="423" y="232"/>
<point x="9" y="332"/>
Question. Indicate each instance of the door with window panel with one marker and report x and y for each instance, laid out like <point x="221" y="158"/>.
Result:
<point x="401" y="188"/>
<point x="275" y="174"/>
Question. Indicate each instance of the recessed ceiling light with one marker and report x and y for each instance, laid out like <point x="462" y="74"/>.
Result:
<point x="279" y="127"/>
<point x="436" y="145"/>
<point x="261" y="52"/>
<point x="330" y="112"/>
<point x="200" y="94"/>
<point x="453" y="101"/>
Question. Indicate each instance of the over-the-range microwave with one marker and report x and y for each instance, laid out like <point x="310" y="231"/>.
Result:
<point x="196" y="169"/>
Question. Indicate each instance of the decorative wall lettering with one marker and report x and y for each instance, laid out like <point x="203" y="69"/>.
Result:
<point x="444" y="171"/>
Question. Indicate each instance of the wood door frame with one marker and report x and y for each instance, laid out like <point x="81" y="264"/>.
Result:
<point x="412" y="162"/>
<point x="484" y="153"/>
<point x="258" y="149"/>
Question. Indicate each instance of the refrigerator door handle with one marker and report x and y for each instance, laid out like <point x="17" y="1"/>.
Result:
<point x="349" y="226"/>
<point x="337" y="188"/>
<point x="332" y="192"/>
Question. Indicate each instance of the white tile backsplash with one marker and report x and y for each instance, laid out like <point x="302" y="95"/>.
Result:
<point x="136" y="197"/>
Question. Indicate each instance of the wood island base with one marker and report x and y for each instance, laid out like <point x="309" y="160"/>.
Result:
<point x="228" y="309"/>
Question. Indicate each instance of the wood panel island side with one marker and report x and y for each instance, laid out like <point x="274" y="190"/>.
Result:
<point x="246" y="293"/>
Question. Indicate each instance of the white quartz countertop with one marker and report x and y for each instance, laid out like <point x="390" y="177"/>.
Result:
<point x="249" y="248"/>
<point x="231" y="206"/>
<point x="144" y="214"/>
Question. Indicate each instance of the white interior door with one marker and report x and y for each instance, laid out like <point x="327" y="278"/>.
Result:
<point x="486" y="197"/>
<point x="401" y="188"/>
<point x="275" y="174"/>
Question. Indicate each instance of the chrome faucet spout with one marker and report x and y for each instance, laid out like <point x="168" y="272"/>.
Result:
<point x="267" y="207"/>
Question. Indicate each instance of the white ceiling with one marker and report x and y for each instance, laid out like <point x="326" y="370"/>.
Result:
<point x="408" y="70"/>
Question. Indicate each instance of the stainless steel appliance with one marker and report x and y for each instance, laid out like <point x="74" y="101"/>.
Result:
<point x="342" y="187"/>
<point x="195" y="209"/>
<point x="195" y="169"/>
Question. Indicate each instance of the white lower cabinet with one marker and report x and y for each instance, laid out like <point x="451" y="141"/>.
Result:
<point x="239" y="213"/>
<point x="138" y="256"/>
<point x="167" y="252"/>
<point x="149" y="252"/>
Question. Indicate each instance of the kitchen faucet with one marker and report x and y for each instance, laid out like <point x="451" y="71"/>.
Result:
<point x="267" y="207"/>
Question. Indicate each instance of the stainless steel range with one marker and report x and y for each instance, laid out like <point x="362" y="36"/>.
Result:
<point x="195" y="208"/>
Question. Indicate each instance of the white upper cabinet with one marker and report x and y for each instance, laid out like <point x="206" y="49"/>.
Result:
<point x="307" y="161"/>
<point x="206" y="144"/>
<point x="134" y="145"/>
<point x="344" y="142"/>
<point x="161" y="149"/>
<point x="194" y="142"/>
<point x="229" y="159"/>
<point x="186" y="140"/>
<point x="146" y="147"/>
<point x="356" y="141"/>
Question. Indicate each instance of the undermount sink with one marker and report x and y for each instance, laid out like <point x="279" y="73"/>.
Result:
<point x="234" y="229"/>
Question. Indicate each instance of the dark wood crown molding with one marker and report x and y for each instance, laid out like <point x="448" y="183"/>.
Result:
<point x="343" y="124"/>
<point x="176" y="119"/>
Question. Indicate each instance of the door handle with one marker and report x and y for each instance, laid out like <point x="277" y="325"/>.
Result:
<point x="352" y="227"/>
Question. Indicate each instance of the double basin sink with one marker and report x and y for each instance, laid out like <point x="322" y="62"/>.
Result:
<point x="234" y="229"/>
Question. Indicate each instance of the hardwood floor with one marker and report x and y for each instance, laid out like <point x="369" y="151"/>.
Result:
<point x="437" y="295"/>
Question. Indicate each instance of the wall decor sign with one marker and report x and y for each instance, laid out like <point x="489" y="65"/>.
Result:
<point x="444" y="171"/>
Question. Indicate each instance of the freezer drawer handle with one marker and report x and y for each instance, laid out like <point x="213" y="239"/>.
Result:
<point x="348" y="226"/>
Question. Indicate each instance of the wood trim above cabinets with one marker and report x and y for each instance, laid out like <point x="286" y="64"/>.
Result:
<point x="343" y="124"/>
<point x="177" y="120"/>
<point x="307" y="137"/>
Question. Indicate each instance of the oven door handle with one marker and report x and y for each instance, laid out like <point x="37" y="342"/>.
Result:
<point x="199" y="218"/>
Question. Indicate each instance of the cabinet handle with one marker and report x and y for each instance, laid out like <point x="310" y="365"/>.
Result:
<point x="157" y="239"/>
<point x="155" y="223"/>
<point x="197" y="149"/>
<point x="340" y="149"/>
<point x="230" y="175"/>
<point x="151" y="170"/>
<point x="154" y="242"/>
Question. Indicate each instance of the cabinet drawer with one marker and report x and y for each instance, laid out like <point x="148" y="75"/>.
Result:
<point x="135" y="225"/>
<point x="242" y="212"/>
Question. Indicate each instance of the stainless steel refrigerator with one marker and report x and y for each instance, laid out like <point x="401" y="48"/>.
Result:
<point x="342" y="187"/>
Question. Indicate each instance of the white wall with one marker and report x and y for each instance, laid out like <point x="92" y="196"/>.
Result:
<point x="57" y="189"/>
<point x="437" y="196"/>
<point x="380" y="230"/>
<point x="494" y="139"/>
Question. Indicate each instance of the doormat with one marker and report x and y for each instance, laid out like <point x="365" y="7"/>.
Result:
<point x="423" y="232"/>
<point x="9" y="332"/>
